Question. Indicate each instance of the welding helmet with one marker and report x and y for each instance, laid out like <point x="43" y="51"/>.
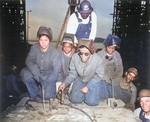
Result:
<point x="69" y="38"/>
<point x="46" y="31"/>
<point x="144" y="93"/>
<point x="112" y="40"/>
<point x="88" y="43"/>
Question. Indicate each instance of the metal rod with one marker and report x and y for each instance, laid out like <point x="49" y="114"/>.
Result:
<point x="113" y="88"/>
<point x="43" y="97"/>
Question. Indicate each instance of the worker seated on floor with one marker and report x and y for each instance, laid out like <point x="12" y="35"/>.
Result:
<point x="86" y="73"/>
<point x="43" y="65"/>
<point x="65" y="55"/>
<point x="128" y="89"/>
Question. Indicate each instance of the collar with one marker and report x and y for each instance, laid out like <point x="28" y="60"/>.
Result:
<point x="42" y="50"/>
<point x="68" y="55"/>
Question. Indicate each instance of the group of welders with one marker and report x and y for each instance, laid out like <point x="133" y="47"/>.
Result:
<point x="90" y="76"/>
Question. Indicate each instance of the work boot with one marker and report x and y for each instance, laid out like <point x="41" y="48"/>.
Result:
<point x="35" y="99"/>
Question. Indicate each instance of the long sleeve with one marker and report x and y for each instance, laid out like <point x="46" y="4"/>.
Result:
<point x="31" y="64"/>
<point x="54" y="74"/>
<point x="72" y="26"/>
<point x="72" y="73"/>
<point x="119" y="69"/>
<point x="133" y="95"/>
<point x="94" y="26"/>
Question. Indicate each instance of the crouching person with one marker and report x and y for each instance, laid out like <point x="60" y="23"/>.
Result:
<point x="65" y="55"/>
<point x="86" y="71"/>
<point x="43" y="66"/>
<point x="113" y="65"/>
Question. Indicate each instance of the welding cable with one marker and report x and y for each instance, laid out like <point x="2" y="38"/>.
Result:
<point x="69" y="105"/>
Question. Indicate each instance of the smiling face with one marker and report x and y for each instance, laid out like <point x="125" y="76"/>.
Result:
<point x="145" y="104"/>
<point x="110" y="49"/>
<point x="44" y="42"/>
<point x="84" y="53"/>
<point x="130" y="77"/>
<point x="67" y="47"/>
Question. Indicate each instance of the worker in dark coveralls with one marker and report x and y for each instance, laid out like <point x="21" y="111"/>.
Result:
<point x="143" y="112"/>
<point x="43" y="65"/>
<point x="65" y="55"/>
<point x="86" y="73"/>
<point x="83" y="23"/>
<point x="113" y="65"/>
<point x="128" y="89"/>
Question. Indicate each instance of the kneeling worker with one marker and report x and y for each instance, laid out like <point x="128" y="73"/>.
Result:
<point x="42" y="67"/>
<point x="86" y="71"/>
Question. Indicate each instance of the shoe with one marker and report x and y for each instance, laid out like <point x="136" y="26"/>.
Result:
<point x="35" y="99"/>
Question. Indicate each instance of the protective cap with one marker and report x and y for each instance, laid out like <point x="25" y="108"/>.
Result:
<point x="85" y="7"/>
<point x="45" y="30"/>
<point x="112" y="40"/>
<point x="133" y="70"/>
<point x="144" y="93"/>
<point x="88" y="43"/>
<point x="69" y="38"/>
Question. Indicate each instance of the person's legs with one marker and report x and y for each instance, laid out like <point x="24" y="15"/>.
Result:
<point x="50" y="90"/>
<point x="109" y="89"/>
<point x="95" y="94"/>
<point x="76" y="95"/>
<point x="29" y="81"/>
<point x="103" y="92"/>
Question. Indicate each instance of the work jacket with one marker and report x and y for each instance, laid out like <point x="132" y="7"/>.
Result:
<point x="65" y="61"/>
<point x="43" y="65"/>
<point x="113" y="69"/>
<point x="91" y="71"/>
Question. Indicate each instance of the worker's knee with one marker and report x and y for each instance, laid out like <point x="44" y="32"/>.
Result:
<point x="92" y="102"/>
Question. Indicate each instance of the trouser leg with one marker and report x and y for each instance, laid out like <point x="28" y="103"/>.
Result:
<point x="50" y="90"/>
<point x="76" y="95"/>
<point x="109" y="89"/>
<point x="114" y="91"/>
<point x="95" y="94"/>
<point x="29" y="81"/>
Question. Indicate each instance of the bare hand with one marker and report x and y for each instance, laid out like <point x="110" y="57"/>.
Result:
<point x="62" y="86"/>
<point x="84" y="89"/>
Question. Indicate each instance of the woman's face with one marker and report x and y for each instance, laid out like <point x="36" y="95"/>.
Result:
<point x="67" y="47"/>
<point x="110" y="49"/>
<point x="84" y="53"/>
<point x="44" y="42"/>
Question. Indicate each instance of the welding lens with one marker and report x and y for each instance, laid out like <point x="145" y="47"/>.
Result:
<point x="80" y="53"/>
